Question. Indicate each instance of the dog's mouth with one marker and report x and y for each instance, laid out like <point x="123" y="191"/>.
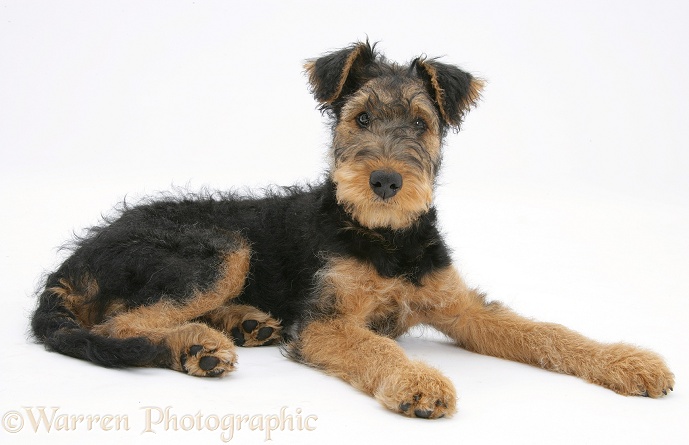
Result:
<point x="383" y="194"/>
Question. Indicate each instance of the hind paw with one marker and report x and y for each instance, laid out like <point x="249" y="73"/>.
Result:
<point x="246" y="325"/>
<point x="199" y="361"/>
<point x="261" y="331"/>
<point x="199" y="350"/>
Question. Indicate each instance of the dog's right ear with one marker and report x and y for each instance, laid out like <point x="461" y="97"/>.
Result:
<point x="340" y="73"/>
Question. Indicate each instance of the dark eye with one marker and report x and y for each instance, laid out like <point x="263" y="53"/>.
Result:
<point x="420" y="124"/>
<point x="363" y="119"/>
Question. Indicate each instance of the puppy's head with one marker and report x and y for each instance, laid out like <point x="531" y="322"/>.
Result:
<point x="389" y="124"/>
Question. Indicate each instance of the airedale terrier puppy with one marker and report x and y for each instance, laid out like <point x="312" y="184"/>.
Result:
<point x="333" y="272"/>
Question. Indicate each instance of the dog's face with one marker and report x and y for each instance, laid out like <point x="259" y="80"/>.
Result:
<point x="390" y="121"/>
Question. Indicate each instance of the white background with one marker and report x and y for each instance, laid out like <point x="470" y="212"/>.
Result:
<point x="566" y="195"/>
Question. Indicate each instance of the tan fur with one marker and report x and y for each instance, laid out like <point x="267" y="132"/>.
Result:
<point x="475" y="88"/>
<point x="80" y="302"/>
<point x="233" y="315"/>
<point x="495" y="330"/>
<point x="399" y="212"/>
<point x="377" y="366"/>
<point x="345" y="346"/>
<point x="214" y="344"/>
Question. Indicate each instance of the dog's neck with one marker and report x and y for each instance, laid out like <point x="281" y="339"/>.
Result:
<point x="410" y="253"/>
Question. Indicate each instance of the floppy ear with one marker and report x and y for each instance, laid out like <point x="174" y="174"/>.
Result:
<point x="340" y="73"/>
<point x="453" y="90"/>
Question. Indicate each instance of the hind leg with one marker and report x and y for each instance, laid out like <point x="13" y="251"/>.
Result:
<point x="194" y="348"/>
<point x="247" y="325"/>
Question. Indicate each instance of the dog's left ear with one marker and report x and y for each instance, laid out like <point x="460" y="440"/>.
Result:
<point x="453" y="90"/>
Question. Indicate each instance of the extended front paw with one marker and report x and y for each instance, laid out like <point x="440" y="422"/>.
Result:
<point x="418" y="390"/>
<point x="629" y="370"/>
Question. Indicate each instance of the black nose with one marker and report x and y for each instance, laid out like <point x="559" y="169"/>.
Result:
<point x="385" y="183"/>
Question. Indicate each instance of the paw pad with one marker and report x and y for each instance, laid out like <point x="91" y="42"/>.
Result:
<point x="249" y="325"/>
<point x="207" y="363"/>
<point x="255" y="333"/>
<point x="424" y="414"/>
<point x="422" y="408"/>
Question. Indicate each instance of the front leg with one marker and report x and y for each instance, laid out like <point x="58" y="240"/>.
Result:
<point x="492" y="329"/>
<point x="377" y="366"/>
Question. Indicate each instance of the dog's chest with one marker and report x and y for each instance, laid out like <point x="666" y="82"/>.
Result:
<point x="361" y="293"/>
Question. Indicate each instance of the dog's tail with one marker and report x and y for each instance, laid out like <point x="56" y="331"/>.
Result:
<point x="56" y="326"/>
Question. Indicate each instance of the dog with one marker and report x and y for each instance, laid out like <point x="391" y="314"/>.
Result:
<point x="333" y="272"/>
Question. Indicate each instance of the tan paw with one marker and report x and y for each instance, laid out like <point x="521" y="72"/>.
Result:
<point x="247" y="325"/>
<point x="203" y="362"/>
<point x="418" y="390"/>
<point x="201" y="351"/>
<point x="629" y="370"/>
<point x="257" y="329"/>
